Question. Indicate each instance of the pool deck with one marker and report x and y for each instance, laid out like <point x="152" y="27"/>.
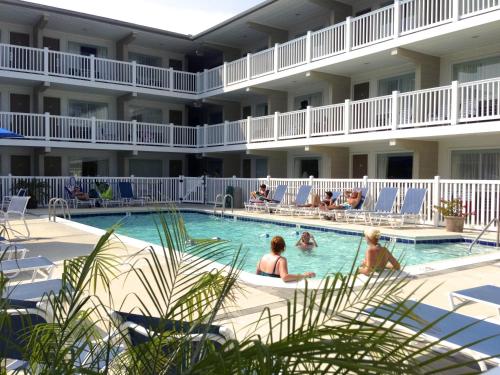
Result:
<point x="59" y="241"/>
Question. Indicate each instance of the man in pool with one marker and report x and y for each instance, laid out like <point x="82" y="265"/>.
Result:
<point x="377" y="258"/>
<point x="306" y="242"/>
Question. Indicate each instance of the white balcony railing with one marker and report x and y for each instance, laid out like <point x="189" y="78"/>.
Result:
<point x="402" y="18"/>
<point x="440" y="106"/>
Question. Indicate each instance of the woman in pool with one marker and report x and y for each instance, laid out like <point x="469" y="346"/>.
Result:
<point x="274" y="265"/>
<point x="377" y="258"/>
<point x="306" y="242"/>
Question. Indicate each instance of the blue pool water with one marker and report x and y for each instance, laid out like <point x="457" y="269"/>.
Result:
<point x="335" y="252"/>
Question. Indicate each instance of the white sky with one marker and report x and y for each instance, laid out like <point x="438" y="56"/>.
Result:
<point x="182" y="16"/>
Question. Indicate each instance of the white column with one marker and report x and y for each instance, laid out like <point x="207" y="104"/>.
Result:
<point x="134" y="132"/>
<point x="248" y="124"/>
<point x="347" y="116"/>
<point x="205" y="80"/>
<point x="171" y="79"/>
<point x="309" y="47"/>
<point x="45" y="61"/>
<point x="455" y="10"/>
<point x="46" y="121"/>
<point x="224" y="74"/>
<point x="455" y="103"/>
<point x="436" y="197"/>
<point x="276" y="58"/>
<point x="134" y="73"/>
<point x="92" y="67"/>
<point x="224" y="134"/>
<point x="93" y="130"/>
<point x="308" y="122"/>
<point x="397" y="18"/>
<point x="205" y="135"/>
<point x="395" y="110"/>
<point x="171" y="134"/>
<point x="249" y="70"/>
<point x="276" y="125"/>
<point x="348" y="34"/>
<point x="198" y="136"/>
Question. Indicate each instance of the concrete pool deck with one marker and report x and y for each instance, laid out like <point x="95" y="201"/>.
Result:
<point x="59" y="241"/>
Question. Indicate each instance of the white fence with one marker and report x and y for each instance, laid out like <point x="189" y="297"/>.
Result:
<point x="481" y="198"/>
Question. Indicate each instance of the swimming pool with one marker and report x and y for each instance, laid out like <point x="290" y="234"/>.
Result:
<point x="335" y="252"/>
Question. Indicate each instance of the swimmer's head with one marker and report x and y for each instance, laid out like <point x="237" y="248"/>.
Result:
<point x="372" y="234"/>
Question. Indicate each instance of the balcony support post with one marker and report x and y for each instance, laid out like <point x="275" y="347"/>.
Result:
<point x="45" y="61"/>
<point x="205" y="80"/>
<point x="205" y="135"/>
<point x="308" y="47"/>
<point x="276" y="58"/>
<point x="171" y="79"/>
<point x="224" y="74"/>
<point x="46" y="122"/>
<point x="436" y="198"/>
<point x="93" y="130"/>
<point x="395" y="110"/>
<point x="455" y="10"/>
<point x="397" y="18"/>
<point x="308" y="122"/>
<point x="224" y="133"/>
<point x="92" y="67"/>
<point x="249" y="70"/>
<point x="347" y="116"/>
<point x="348" y="33"/>
<point x="134" y="73"/>
<point x="248" y="124"/>
<point x="198" y="136"/>
<point x="171" y="135"/>
<point x="455" y="105"/>
<point x="134" y="132"/>
<point x="276" y="125"/>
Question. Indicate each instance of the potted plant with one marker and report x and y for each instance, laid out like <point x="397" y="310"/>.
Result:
<point x="37" y="190"/>
<point x="454" y="213"/>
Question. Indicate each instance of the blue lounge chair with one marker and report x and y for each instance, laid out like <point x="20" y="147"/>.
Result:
<point x="278" y="196"/>
<point x="487" y="294"/>
<point x="32" y="291"/>
<point x="411" y="208"/>
<point x="384" y="205"/>
<point x="445" y="329"/>
<point x="313" y="211"/>
<point x="340" y="213"/>
<point x="300" y="200"/>
<point x="75" y="201"/>
<point x="39" y="264"/>
<point x="127" y="194"/>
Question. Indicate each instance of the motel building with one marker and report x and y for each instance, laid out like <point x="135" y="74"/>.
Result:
<point x="333" y="89"/>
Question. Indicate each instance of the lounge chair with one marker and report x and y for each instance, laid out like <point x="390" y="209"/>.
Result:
<point x="32" y="291"/>
<point x="411" y="208"/>
<point x="127" y="195"/>
<point x="6" y="199"/>
<point x="106" y="198"/>
<point x="444" y="331"/>
<point x="16" y="209"/>
<point x="338" y="214"/>
<point x="313" y="211"/>
<point x="384" y="205"/>
<point x="75" y="201"/>
<point x="278" y="196"/>
<point x="300" y="200"/>
<point x="39" y="264"/>
<point x="10" y="251"/>
<point x="487" y="294"/>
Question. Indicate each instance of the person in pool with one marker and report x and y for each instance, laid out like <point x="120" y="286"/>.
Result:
<point x="275" y="265"/>
<point x="306" y="242"/>
<point x="377" y="258"/>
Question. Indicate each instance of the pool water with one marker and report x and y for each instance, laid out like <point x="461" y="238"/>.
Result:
<point x="335" y="252"/>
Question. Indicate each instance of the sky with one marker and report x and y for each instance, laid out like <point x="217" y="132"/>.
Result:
<point x="182" y="16"/>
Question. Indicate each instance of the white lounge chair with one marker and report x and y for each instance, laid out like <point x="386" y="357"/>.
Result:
<point x="16" y="209"/>
<point x="32" y="291"/>
<point x="7" y="198"/>
<point x="300" y="200"/>
<point x="487" y="294"/>
<point x="451" y="329"/>
<point x="9" y="250"/>
<point x="39" y="264"/>
<point x="258" y="205"/>
<point x="384" y="205"/>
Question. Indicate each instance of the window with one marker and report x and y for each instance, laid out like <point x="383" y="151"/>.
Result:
<point x="145" y="168"/>
<point x="247" y="111"/>
<point x="477" y="69"/>
<point x="143" y="114"/>
<point x="402" y="83"/>
<point x="261" y="110"/>
<point x="395" y="166"/>
<point x="261" y="168"/>
<point x="139" y="58"/>
<point x="175" y="117"/>
<point x="475" y="165"/>
<point x="175" y="64"/>
<point x="87" y="109"/>
<point x="87" y="49"/>
<point x="20" y="165"/>
<point x="315" y="100"/>
<point x="52" y="166"/>
<point x="88" y="167"/>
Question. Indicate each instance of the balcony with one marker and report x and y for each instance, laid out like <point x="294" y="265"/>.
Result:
<point x="403" y="18"/>
<point x="439" y="111"/>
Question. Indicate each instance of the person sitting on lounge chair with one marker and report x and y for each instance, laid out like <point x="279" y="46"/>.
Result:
<point x="261" y="195"/>
<point x="328" y="202"/>
<point x="78" y="194"/>
<point x="352" y="201"/>
<point x="377" y="258"/>
<point x="306" y="242"/>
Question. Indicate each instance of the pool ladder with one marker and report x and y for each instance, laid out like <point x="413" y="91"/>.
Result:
<point x="56" y="203"/>
<point x="221" y="200"/>
<point x="492" y="221"/>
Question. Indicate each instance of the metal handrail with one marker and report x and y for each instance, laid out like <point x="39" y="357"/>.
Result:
<point x="495" y="220"/>
<point x="54" y="203"/>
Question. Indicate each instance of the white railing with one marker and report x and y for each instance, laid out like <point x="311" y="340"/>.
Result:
<point x="185" y="136"/>
<point x="328" y="42"/>
<point x="262" y="63"/>
<point x="27" y="124"/>
<point x="213" y="78"/>
<point x="292" y="124"/>
<point x="420" y="14"/>
<point x="292" y="53"/>
<point x="184" y="82"/>
<point x="65" y="128"/>
<point x="214" y="135"/>
<point x="113" y="131"/>
<point x="371" y="114"/>
<point x="114" y="71"/>
<point x="154" y="134"/>
<point x="191" y="189"/>
<point x="236" y="71"/>
<point x="425" y="107"/>
<point x="153" y="77"/>
<point x="373" y="27"/>
<point x="328" y="120"/>
<point x="262" y="128"/>
<point x="235" y="132"/>
<point x="479" y="100"/>
<point x="68" y="65"/>
<point x="21" y="58"/>
<point x="471" y="8"/>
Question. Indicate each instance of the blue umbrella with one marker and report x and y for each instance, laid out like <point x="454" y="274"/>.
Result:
<point x="4" y="133"/>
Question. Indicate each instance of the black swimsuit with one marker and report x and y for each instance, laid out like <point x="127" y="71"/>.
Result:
<point x="262" y="273"/>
